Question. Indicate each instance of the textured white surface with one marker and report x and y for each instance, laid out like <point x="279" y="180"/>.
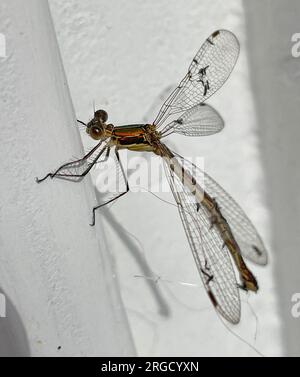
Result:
<point x="124" y="55"/>
<point x="275" y="81"/>
<point x="62" y="296"/>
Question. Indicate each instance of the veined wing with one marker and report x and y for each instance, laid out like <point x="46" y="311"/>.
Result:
<point x="200" y="120"/>
<point x="246" y="235"/>
<point x="210" y="254"/>
<point x="244" y="231"/>
<point x="208" y="71"/>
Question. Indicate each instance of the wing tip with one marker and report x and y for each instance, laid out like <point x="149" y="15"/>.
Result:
<point x="234" y="320"/>
<point x="261" y="254"/>
<point x="224" y="32"/>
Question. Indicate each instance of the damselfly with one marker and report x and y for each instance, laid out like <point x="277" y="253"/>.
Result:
<point x="217" y="229"/>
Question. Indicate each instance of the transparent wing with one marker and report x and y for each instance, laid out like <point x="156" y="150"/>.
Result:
<point x="244" y="231"/>
<point x="210" y="254"/>
<point x="208" y="71"/>
<point x="200" y="120"/>
<point x="156" y="104"/>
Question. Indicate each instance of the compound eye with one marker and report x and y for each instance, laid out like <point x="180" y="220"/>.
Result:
<point x="102" y="115"/>
<point x="96" y="132"/>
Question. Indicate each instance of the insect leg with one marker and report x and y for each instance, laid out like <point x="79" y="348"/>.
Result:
<point x="119" y="194"/>
<point x="79" y="121"/>
<point x="74" y="164"/>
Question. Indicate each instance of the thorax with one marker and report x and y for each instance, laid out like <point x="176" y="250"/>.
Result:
<point x="136" y="137"/>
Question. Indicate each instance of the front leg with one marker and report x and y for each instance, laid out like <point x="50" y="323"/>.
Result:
<point x="75" y="164"/>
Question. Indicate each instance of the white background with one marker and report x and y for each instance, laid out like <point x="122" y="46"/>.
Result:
<point x="55" y="272"/>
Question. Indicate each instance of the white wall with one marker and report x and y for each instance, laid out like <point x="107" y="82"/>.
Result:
<point x="275" y="82"/>
<point x="60" y="287"/>
<point x="123" y="55"/>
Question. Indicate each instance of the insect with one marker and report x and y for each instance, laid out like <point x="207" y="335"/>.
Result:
<point x="218" y="231"/>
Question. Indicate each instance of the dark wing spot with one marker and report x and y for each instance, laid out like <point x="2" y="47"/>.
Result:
<point x="179" y="121"/>
<point x="215" y="33"/>
<point x="256" y="249"/>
